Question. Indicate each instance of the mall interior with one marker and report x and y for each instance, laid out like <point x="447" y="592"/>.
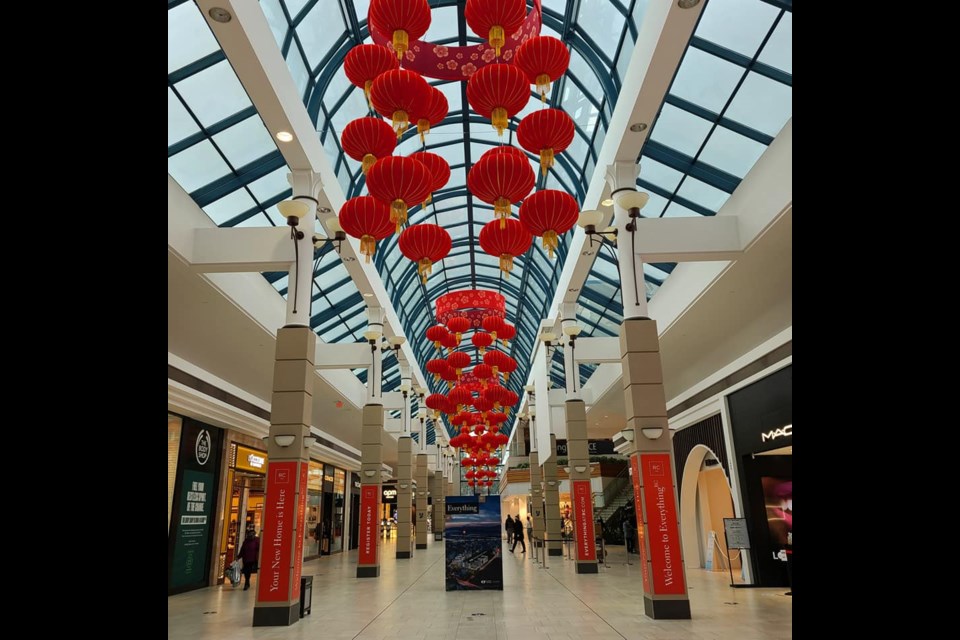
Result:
<point x="434" y="264"/>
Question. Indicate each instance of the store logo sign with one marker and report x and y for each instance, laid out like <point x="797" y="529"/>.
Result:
<point x="202" y="449"/>
<point x="777" y="433"/>
<point x="256" y="461"/>
<point x="389" y="494"/>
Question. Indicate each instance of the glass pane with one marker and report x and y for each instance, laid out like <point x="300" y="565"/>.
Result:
<point x="295" y="6"/>
<point x="229" y="206"/>
<point x="188" y="36"/>
<point x="579" y="107"/>
<point x="298" y="70"/>
<point x="601" y="21"/>
<point x="245" y="142"/>
<point x="654" y="206"/>
<point x="675" y="210"/>
<point x="197" y="166"/>
<point x="778" y="52"/>
<point x="702" y="194"/>
<point x="214" y="93"/>
<point x="739" y="25"/>
<point x="361" y="6"/>
<point x="271" y="184"/>
<point x="443" y="25"/>
<point x="680" y="130"/>
<point x="659" y="174"/>
<point x="179" y="123"/>
<point x="559" y="6"/>
<point x="319" y="30"/>
<point x="585" y="74"/>
<point x="762" y="103"/>
<point x="731" y="152"/>
<point x="706" y="80"/>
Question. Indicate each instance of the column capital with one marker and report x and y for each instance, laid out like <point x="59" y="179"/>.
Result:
<point x="305" y="183"/>
<point x="622" y="174"/>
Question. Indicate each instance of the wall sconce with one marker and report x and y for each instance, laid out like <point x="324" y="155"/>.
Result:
<point x="552" y="483"/>
<point x="333" y="224"/>
<point x="374" y="326"/>
<point x="404" y="486"/>
<point x="284" y="440"/>
<point x="567" y="470"/>
<point x="369" y="472"/>
<point x="396" y="342"/>
<point x="421" y="493"/>
<point x="589" y="220"/>
<point x="579" y="468"/>
<point x="651" y="433"/>
<point x="309" y="441"/>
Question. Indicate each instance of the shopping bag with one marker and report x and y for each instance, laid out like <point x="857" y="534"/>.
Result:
<point x="233" y="573"/>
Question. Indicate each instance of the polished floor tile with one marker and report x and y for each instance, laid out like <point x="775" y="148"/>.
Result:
<point x="408" y="602"/>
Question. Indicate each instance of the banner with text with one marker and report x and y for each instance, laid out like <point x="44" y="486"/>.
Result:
<point x="661" y="513"/>
<point x="473" y="543"/>
<point x="276" y="541"/>
<point x="369" y="508"/>
<point x="301" y="516"/>
<point x="638" y="509"/>
<point x="583" y="518"/>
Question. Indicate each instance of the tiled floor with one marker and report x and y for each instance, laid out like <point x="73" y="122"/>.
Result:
<point x="408" y="602"/>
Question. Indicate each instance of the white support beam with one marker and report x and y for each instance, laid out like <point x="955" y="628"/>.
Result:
<point x="688" y="239"/>
<point x="393" y="425"/>
<point x="597" y="350"/>
<point x="393" y="400"/>
<point x="342" y="356"/>
<point x="604" y="379"/>
<point x="238" y="250"/>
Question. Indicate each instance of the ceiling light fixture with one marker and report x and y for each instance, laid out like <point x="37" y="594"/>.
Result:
<point x="607" y="202"/>
<point x="688" y="4"/>
<point x="219" y="14"/>
<point x="284" y="136"/>
<point x="637" y="127"/>
<point x="368" y="295"/>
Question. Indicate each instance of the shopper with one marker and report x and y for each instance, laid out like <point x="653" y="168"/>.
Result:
<point x="249" y="553"/>
<point x="530" y="527"/>
<point x="518" y="534"/>
<point x="508" y="527"/>
<point x="629" y="531"/>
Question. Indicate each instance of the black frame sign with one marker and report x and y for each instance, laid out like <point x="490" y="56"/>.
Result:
<point x="735" y="529"/>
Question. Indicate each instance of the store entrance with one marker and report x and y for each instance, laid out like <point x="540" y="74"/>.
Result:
<point x="246" y="510"/>
<point x="326" y="519"/>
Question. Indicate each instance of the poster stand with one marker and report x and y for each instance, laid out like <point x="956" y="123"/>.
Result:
<point x="735" y="537"/>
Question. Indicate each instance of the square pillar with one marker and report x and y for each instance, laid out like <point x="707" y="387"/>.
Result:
<point x="581" y="495"/>
<point x="423" y="480"/>
<point x="371" y="461"/>
<point x="538" y="511"/>
<point x="404" y="496"/>
<point x="439" y="504"/>
<point x="551" y="495"/>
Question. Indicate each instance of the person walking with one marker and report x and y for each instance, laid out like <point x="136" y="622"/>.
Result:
<point x="530" y="527"/>
<point x="518" y="534"/>
<point x="249" y="553"/>
<point x="508" y="527"/>
<point x="628" y="533"/>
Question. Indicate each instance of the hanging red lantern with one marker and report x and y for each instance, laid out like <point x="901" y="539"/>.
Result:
<point x="507" y="366"/>
<point x="504" y="148"/>
<point x="482" y="404"/>
<point x="458" y="360"/>
<point x="546" y="132"/>
<point x="458" y="324"/>
<point x="368" y="219"/>
<point x="367" y="139"/>
<point x="400" y="20"/>
<point x="494" y="461"/>
<point x="507" y="333"/>
<point x="481" y="341"/>
<point x="501" y="180"/>
<point x="449" y="375"/>
<point x="433" y="110"/>
<point x="450" y="341"/>
<point x="436" y="367"/>
<point x="543" y="59"/>
<point x="494" y="393"/>
<point x="400" y="182"/>
<point x="364" y="62"/>
<point x="436" y="333"/>
<point x="460" y="395"/>
<point x="437" y="169"/>
<point x="498" y="91"/>
<point x="493" y="324"/>
<point x="549" y="213"/>
<point x="509" y="399"/>
<point x="506" y="240"/>
<point x="495" y="19"/>
<point x="482" y="372"/>
<point x="398" y="93"/>
<point x="494" y="358"/>
<point x="437" y="401"/>
<point x="424" y="244"/>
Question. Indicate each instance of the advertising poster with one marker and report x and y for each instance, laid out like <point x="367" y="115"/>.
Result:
<point x="583" y="520"/>
<point x="662" y="530"/>
<point x="193" y="534"/>
<point x="369" y="508"/>
<point x="778" y="498"/>
<point x="473" y="543"/>
<point x="276" y="541"/>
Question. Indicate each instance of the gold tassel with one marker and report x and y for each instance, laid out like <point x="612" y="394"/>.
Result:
<point x="436" y="345"/>
<point x="506" y="376"/>
<point x="423" y="126"/>
<point x="401" y="121"/>
<point x="507" y="412"/>
<point x="546" y="159"/>
<point x="500" y="119"/>
<point x="501" y="209"/>
<point x="401" y="42"/>
<point x="424" y="269"/>
<point x="506" y="265"/>
<point x="368" y="161"/>
<point x="368" y="244"/>
<point x="543" y="86"/>
<point x="366" y="92"/>
<point x="496" y="38"/>
<point x="550" y="242"/>
<point x="423" y="205"/>
<point x="398" y="213"/>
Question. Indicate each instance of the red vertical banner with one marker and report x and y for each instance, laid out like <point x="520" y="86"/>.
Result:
<point x="665" y="558"/>
<point x="583" y="511"/>
<point x="276" y="541"/>
<point x="638" y="509"/>
<point x="301" y="517"/>
<point x="369" y="507"/>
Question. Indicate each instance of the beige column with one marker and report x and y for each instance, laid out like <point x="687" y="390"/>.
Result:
<point x="581" y="496"/>
<point x="404" y="496"/>
<point x="371" y="461"/>
<point x="551" y="494"/>
<point x="437" y="489"/>
<point x="423" y="481"/>
<point x="537" y="510"/>
<point x="281" y="540"/>
<point x="655" y="489"/>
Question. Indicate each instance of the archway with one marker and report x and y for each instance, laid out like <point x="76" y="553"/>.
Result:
<point x="704" y="478"/>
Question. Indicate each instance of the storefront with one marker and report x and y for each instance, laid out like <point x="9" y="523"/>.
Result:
<point x="311" y="533"/>
<point x="388" y="508"/>
<point x="193" y="470"/>
<point x="243" y="511"/>
<point x="354" y="537"/>
<point x="332" y="509"/>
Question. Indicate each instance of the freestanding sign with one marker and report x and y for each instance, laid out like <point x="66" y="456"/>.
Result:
<point x="586" y="544"/>
<point x="473" y="543"/>
<point x="664" y="538"/>
<point x="369" y="507"/>
<point x="736" y="532"/>
<point x="276" y="542"/>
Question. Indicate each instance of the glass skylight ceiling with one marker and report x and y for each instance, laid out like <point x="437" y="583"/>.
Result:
<point x="730" y="97"/>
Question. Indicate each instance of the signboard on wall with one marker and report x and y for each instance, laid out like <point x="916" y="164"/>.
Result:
<point x="594" y="447"/>
<point x="251" y="459"/>
<point x="276" y="541"/>
<point x="473" y="543"/>
<point x="663" y="535"/>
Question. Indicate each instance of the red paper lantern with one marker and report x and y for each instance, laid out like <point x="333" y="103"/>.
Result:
<point x="398" y="93"/>
<point x="501" y="180"/>
<point x="543" y="59"/>
<point x="436" y="333"/>
<point x="506" y="240"/>
<point x="495" y="19"/>
<point x="425" y="244"/>
<point x="549" y="213"/>
<point x="504" y="148"/>
<point x="436" y="367"/>
<point x="401" y="182"/>
<point x="482" y="404"/>
<point x="450" y="341"/>
<point x="509" y="400"/>
<point x="437" y="169"/>
<point x="433" y="110"/>
<point x="482" y="372"/>
<point x="494" y="393"/>
<point x="449" y="375"/>
<point x="481" y="341"/>
<point x="367" y="139"/>
<point x="494" y="358"/>
<point x="365" y="62"/>
<point x="368" y="219"/>
<point x="460" y="395"/>
<point x="400" y="20"/>
<point x="498" y="91"/>
<point x="458" y="360"/>
<point x="493" y="324"/>
<point x="508" y="366"/>
<point x="437" y="401"/>
<point x="546" y="132"/>
<point x="458" y="324"/>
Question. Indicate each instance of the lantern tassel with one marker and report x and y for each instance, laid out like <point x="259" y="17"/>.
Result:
<point x="546" y="159"/>
<point x="368" y="161"/>
<point x="401" y="42"/>
<point x="550" y="242"/>
<point x="500" y="119"/>
<point x="368" y="244"/>
<point x="366" y="92"/>
<point x="501" y="209"/>
<point x="496" y="38"/>
<point x="506" y="265"/>
<point x="543" y="86"/>
<point x="424" y="269"/>
<point x="398" y="214"/>
<point x="401" y="121"/>
<point x="423" y="126"/>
